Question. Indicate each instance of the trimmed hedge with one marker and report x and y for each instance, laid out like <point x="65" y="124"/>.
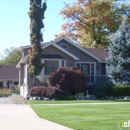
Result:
<point x="120" y="91"/>
<point x="101" y="89"/>
<point x="68" y="79"/>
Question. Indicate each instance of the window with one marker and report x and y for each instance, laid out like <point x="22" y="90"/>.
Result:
<point x="50" y="66"/>
<point x="1" y="84"/>
<point x="77" y="66"/>
<point x="64" y="46"/>
<point x="16" y="83"/>
<point x="62" y="63"/>
<point x="88" y="68"/>
<point x="103" y="69"/>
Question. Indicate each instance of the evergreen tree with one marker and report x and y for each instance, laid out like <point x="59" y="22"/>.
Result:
<point x="36" y="15"/>
<point x="118" y="62"/>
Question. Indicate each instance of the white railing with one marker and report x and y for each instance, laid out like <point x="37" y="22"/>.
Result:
<point x="96" y="78"/>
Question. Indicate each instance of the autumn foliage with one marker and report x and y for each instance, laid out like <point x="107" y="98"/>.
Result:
<point x="35" y="65"/>
<point x="90" y="21"/>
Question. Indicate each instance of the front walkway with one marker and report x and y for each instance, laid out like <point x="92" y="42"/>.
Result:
<point x="14" y="115"/>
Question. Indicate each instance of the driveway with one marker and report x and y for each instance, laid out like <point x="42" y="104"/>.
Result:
<point x="15" y="115"/>
<point x="13" y="99"/>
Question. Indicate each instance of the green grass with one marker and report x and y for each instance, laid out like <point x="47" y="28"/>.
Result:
<point x="84" y="116"/>
<point x="31" y="102"/>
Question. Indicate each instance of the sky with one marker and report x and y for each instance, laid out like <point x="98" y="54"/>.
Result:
<point x="14" y="22"/>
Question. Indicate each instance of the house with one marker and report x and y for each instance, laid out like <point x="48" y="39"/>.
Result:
<point x="9" y="75"/>
<point x="63" y="52"/>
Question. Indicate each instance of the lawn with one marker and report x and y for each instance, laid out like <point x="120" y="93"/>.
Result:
<point x="84" y="115"/>
<point x="31" y="102"/>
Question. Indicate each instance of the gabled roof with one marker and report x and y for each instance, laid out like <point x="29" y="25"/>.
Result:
<point x="23" y="60"/>
<point x="29" y="46"/>
<point x="61" y="49"/>
<point x="77" y="46"/>
<point x="98" y="52"/>
<point x="9" y="72"/>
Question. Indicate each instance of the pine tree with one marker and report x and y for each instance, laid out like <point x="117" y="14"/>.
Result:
<point x="118" y="62"/>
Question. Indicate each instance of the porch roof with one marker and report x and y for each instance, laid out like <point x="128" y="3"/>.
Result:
<point x="52" y="56"/>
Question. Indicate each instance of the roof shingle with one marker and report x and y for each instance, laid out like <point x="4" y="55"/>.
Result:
<point x="101" y="53"/>
<point x="9" y="72"/>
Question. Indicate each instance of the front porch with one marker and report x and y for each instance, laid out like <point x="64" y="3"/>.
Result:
<point x="96" y="78"/>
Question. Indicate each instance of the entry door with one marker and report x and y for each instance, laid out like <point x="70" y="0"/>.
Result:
<point x="89" y="71"/>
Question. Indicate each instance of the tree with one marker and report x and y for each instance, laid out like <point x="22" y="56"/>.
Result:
<point x="11" y="56"/>
<point x="118" y="62"/>
<point x="90" y="21"/>
<point x="36" y="15"/>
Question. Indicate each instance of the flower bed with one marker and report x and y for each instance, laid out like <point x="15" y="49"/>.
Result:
<point x="4" y="92"/>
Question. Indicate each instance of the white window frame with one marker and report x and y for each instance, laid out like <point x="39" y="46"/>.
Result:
<point x="90" y="69"/>
<point x="60" y="64"/>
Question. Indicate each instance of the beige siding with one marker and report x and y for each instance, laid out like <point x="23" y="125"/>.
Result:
<point x="25" y="52"/>
<point x="80" y="54"/>
<point x="30" y="81"/>
<point x="53" y="50"/>
<point x="21" y="74"/>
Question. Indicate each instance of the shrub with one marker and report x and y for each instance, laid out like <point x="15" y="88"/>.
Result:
<point x="53" y="92"/>
<point x="15" y="89"/>
<point x="100" y="89"/>
<point x="121" y="91"/>
<point x="49" y="92"/>
<point x="68" y="96"/>
<point x="4" y="92"/>
<point x="68" y="79"/>
<point x="37" y="91"/>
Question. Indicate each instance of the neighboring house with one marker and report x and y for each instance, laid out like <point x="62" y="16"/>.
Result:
<point x="9" y="75"/>
<point x="63" y="52"/>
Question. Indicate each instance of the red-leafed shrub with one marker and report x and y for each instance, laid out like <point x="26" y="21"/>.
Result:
<point x="49" y="92"/>
<point x="38" y="91"/>
<point x="68" y="79"/>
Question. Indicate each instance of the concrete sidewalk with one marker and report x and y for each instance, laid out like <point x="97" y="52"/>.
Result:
<point x="22" y="117"/>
